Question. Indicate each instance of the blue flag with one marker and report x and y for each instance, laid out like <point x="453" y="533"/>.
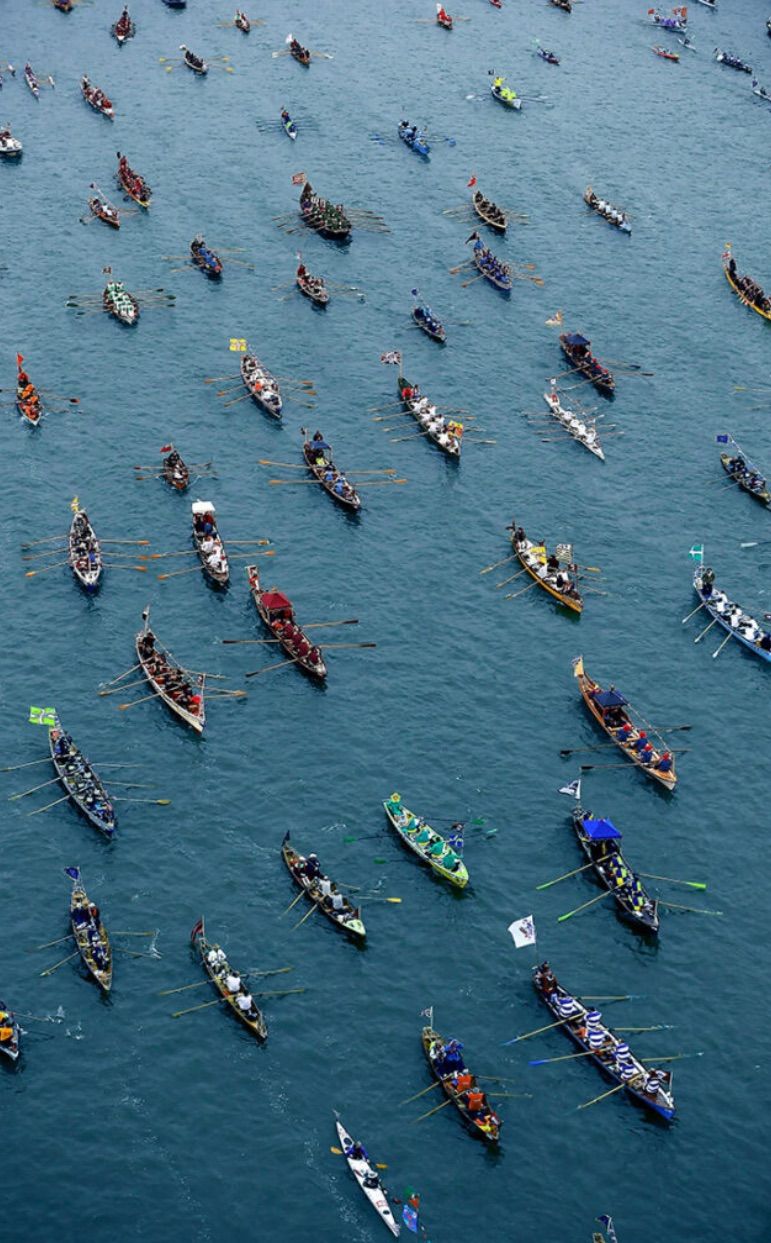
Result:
<point x="73" y="872"/>
<point x="455" y="841"/>
<point x="414" y="293"/>
<point x="722" y="439"/>
<point x="410" y="1218"/>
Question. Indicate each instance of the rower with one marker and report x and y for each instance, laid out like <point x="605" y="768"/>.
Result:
<point x="664" y="764"/>
<point x="355" y="1151"/>
<point x="245" y="1002"/>
<point x="311" y="867"/>
<point x="476" y="1102"/>
<point x="233" y="983"/>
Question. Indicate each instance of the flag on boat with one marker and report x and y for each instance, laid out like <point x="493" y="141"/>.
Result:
<point x="564" y="552"/>
<point x="410" y="1218"/>
<point x="73" y="872"/>
<point x="471" y="181"/>
<point x="428" y="1014"/>
<point x="523" y="931"/>
<point x="607" y="1222"/>
<point x="697" y="552"/>
<point x="75" y="504"/>
<point x="298" y="178"/>
<point x="555" y="321"/>
<point x="573" y="788"/>
<point x="578" y="667"/>
<point x="391" y="356"/>
<point x="723" y="438"/>
<point x="166" y="448"/>
<point x="42" y="716"/>
<point x="197" y="929"/>
<point x="414" y="293"/>
<point x="19" y="359"/>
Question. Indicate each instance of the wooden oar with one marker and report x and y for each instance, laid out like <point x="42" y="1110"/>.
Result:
<point x="13" y="767"/>
<point x="602" y="1097"/>
<point x="693" y="614"/>
<point x="255" y="673"/>
<point x="718" y="650"/>
<point x="54" y="804"/>
<point x="134" y="702"/>
<point x="699" y="637"/>
<point x="505" y="581"/>
<point x="314" y="907"/>
<point x="566" y="1057"/>
<point x="24" y="793"/>
<point x="337" y="646"/>
<point x="692" y="884"/>
<point x="121" y="676"/>
<point x="157" y="802"/>
<point x="45" y="540"/>
<point x="178" y="1013"/>
<point x="538" y="1030"/>
<point x="496" y="564"/>
<point x="521" y="592"/>
<point x="435" y="1110"/>
<point x="55" y="967"/>
<point x="436" y="1084"/>
<point x="301" y="894"/>
<point x="57" y="565"/>
<point x="58" y="941"/>
<point x="695" y="910"/>
<point x="547" y="884"/>
<point x="584" y="905"/>
<point x="127" y="686"/>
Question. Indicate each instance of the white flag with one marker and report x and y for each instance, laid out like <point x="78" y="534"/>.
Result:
<point x="574" y="788"/>
<point x="428" y="1014"/>
<point x="523" y="931"/>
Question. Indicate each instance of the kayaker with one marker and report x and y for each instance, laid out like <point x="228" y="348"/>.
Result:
<point x="356" y="1151"/>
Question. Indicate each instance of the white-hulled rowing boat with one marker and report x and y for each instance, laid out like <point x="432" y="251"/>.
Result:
<point x="583" y="430"/>
<point x="368" y="1180"/>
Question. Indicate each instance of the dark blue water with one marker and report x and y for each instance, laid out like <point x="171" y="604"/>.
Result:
<point x="127" y="1124"/>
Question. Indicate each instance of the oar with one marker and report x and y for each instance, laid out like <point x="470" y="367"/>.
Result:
<point x="339" y="1153"/>
<point x="586" y="768"/>
<point x="566" y="1057"/>
<point x="496" y="564"/>
<point x="430" y="1088"/>
<point x="301" y="894"/>
<point x="602" y="1097"/>
<point x="692" y="884"/>
<point x="699" y="637"/>
<point x="58" y="941"/>
<point x="538" y="1030"/>
<point x="45" y="540"/>
<point x="127" y="686"/>
<point x="284" y="992"/>
<point x="24" y="793"/>
<point x="121" y="676"/>
<point x="718" y="650"/>
<point x="435" y="1110"/>
<point x="675" y="1057"/>
<point x="55" y="967"/>
<point x="314" y="907"/>
<point x="693" y="614"/>
<point x="157" y="802"/>
<point x="695" y="910"/>
<point x="584" y="905"/>
<point x="13" y="767"/>
<point x="54" y="804"/>
<point x="55" y="566"/>
<point x="269" y="668"/>
<point x="178" y="1013"/>
<point x="175" y="573"/>
<point x="325" y="647"/>
<point x="504" y="582"/>
<point x="547" y="884"/>
<point x="134" y="702"/>
<point x="522" y="591"/>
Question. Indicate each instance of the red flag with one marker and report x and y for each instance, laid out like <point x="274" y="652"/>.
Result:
<point x="19" y="359"/>
<point x="166" y="448"/>
<point x="198" y="929"/>
<point x="472" y="182"/>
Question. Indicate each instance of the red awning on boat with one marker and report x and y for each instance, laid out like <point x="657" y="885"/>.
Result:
<point x="275" y="600"/>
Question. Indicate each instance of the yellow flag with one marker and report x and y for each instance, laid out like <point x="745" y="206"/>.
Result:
<point x="74" y="504"/>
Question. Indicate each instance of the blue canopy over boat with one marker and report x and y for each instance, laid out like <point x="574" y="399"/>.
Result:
<point x="575" y="338"/>
<point x="600" y="830"/>
<point x="610" y="699"/>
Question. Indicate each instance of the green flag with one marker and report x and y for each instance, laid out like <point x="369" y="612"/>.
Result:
<point x="42" y="716"/>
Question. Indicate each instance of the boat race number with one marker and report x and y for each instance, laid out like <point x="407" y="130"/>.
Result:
<point x="238" y="345"/>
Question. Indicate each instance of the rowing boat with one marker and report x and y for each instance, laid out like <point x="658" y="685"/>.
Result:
<point x="300" y="53"/>
<point x="174" y="470"/>
<point x="121" y="304"/>
<point x="241" y="22"/>
<point x="489" y="213"/>
<point x="446" y="433"/>
<point x="505" y="95"/>
<point x="83" y="551"/>
<point x="80" y="780"/>
<point x="347" y="917"/>
<point x="312" y="287"/>
<point x="425" y="319"/>
<point x="277" y="612"/>
<point x="413" y="138"/>
<point x="546" y="570"/>
<point x="612" y="712"/>
<point x="581" y="428"/>
<point x="196" y="63"/>
<point x="565" y="5"/>
<point x="761" y="91"/>
<point x="577" y="350"/>
<point x="208" y="543"/>
<point x="182" y="692"/>
<point x="443" y="19"/>
<point x="459" y="1085"/>
<point x="10" y="1033"/>
<point x="96" y="98"/>
<point x="175" y="4"/>
<point x="31" y="80"/>
<point x="486" y="263"/>
<point x="10" y="147"/>
<point x="132" y="184"/>
<point x="90" y="934"/>
<point x="731" y="61"/>
<point x="288" y="125"/>
<point x="229" y="983"/>
<point x="426" y="843"/>
<point x="318" y="458"/>
<point x="366" y="1176"/>
<point x="328" y="219"/>
<point x="664" y="53"/>
<point x="747" y="476"/>
<point x="746" y="289"/>
<point x="649" y="1088"/>
<point x="104" y="210"/>
<point x="730" y="616"/>
<point x="63" y="6"/>
<point x="551" y="58"/>
<point x="124" y="28"/>
<point x="262" y="386"/>
<point x="28" y="401"/>
<point x="613" y="215"/>
<point x="600" y="841"/>
<point x="204" y="258"/>
<point x="677" y="21"/>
